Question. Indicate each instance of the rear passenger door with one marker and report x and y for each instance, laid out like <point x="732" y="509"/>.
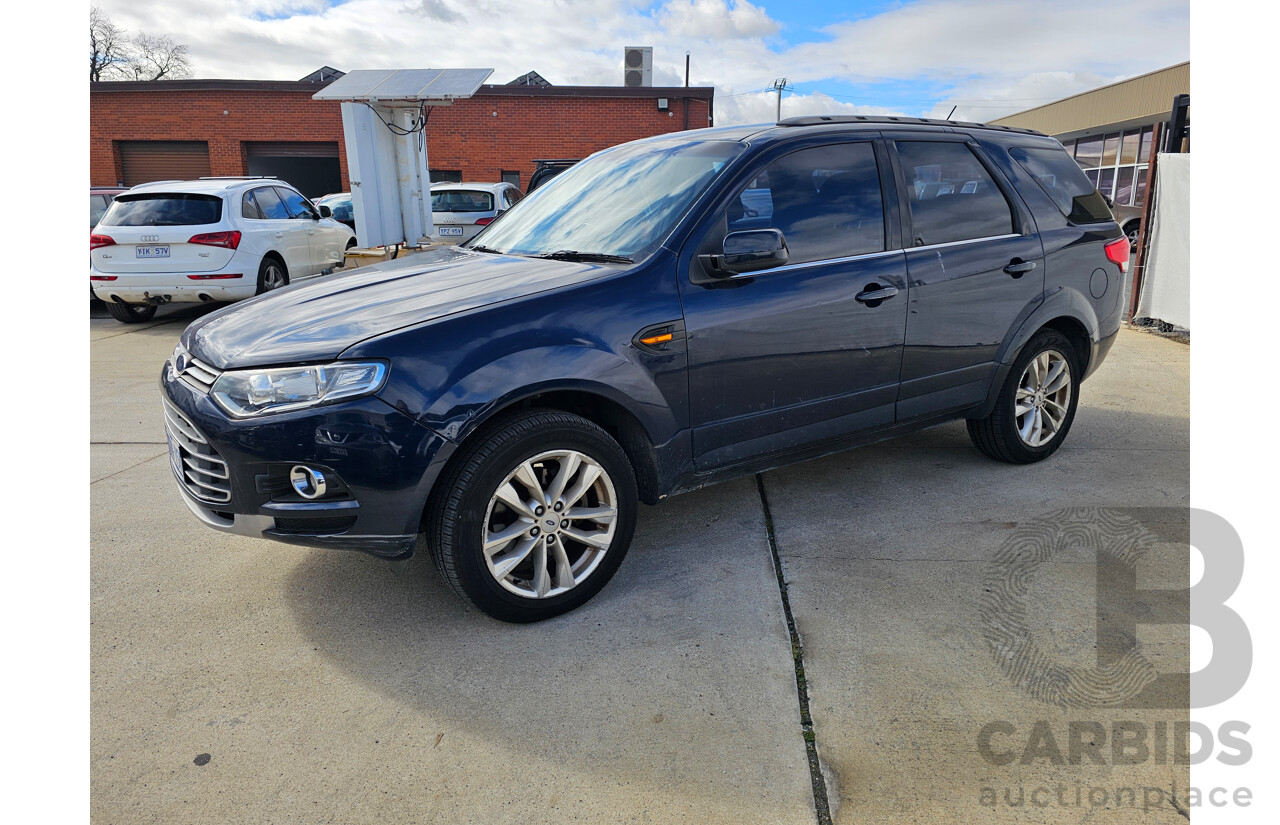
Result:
<point x="975" y="266"/>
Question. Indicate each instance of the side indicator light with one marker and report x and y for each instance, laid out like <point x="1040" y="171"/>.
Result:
<point x="657" y="339"/>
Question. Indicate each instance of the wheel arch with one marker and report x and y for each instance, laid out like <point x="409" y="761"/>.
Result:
<point x="591" y="403"/>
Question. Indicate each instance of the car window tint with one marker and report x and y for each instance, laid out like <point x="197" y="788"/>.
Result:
<point x="97" y="207"/>
<point x="826" y="201"/>
<point x="1064" y="182"/>
<point x="269" y="203"/>
<point x="163" y="209"/>
<point x="461" y="200"/>
<point x="296" y="204"/>
<point x="952" y="196"/>
<point x="249" y="207"/>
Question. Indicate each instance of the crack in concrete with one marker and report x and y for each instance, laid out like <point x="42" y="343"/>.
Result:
<point x="817" y="777"/>
<point x="127" y="469"/>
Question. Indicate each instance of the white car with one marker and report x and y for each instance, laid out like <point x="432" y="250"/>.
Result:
<point x="460" y="210"/>
<point x="213" y="239"/>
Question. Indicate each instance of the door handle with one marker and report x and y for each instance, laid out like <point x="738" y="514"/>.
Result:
<point x="874" y="294"/>
<point x="1017" y="268"/>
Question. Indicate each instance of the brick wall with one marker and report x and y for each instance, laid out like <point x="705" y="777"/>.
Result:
<point x="467" y="136"/>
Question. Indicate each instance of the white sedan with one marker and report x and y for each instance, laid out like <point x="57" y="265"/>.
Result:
<point x="214" y="239"/>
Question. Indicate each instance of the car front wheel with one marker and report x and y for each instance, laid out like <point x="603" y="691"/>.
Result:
<point x="535" y="517"/>
<point x="1036" y="405"/>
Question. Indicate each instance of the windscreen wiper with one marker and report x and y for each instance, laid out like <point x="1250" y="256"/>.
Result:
<point x="586" y="257"/>
<point x="481" y="248"/>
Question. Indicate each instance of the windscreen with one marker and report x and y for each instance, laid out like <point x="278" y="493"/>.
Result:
<point x="163" y="209"/>
<point x="461" y="200"/>
<point x="622" y="201"/>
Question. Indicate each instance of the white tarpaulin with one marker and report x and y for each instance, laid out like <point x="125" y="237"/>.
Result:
<point x="1166" y="284"/>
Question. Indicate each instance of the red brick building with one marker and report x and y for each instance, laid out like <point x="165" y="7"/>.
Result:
<point x="166" y="129"/>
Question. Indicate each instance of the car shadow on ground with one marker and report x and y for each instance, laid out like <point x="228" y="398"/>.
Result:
<point x="671" y="626"/>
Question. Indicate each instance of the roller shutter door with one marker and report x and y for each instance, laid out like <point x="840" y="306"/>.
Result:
<point x="311" y="166"/>
<point x="147" y="160"/>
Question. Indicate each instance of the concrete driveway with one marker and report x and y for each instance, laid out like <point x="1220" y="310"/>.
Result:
<point x="244" y="681"/>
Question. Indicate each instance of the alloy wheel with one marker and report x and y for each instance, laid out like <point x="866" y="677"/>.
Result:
<point x="549" y="524"/>
<point x="1043" y="398"/>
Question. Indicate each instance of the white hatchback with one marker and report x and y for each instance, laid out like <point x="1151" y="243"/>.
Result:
<point x="213" y="239"/>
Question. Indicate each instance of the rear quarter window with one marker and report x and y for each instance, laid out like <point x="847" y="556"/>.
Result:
<point x="1064" y="183"/>
<point x="164" y="209"/>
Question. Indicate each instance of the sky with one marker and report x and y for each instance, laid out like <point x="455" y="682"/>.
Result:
<point x="985" y="58"/>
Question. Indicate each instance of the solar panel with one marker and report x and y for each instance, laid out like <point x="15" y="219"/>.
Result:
<point x="405" y="84"/>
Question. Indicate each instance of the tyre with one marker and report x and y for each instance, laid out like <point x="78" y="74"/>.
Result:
<point x="534" y="517"/>
<point x="1036" y="405"/>
<point x="272" y="274"/>
<point x="131" y="313"/>
<point x="1131" y="232"/>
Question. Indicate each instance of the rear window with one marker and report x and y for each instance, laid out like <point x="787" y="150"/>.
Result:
<point x="1062" y="180"/>
<point x="163" y="210"/>
<point x="461" y="200"/>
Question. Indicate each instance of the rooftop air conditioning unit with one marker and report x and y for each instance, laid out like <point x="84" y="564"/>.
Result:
<point x="637" y="68"/>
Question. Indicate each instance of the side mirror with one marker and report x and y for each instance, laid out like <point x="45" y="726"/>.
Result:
<point x="325" y="212"/>
<point x="747" y="251"/>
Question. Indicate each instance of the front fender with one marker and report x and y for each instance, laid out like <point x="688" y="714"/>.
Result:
<point x="474" y="397"/>
<point x="453" y="374"/>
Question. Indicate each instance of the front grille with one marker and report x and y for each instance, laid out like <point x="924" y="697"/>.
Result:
<point x="196" y="465"/>
<point x="195" y="373"/>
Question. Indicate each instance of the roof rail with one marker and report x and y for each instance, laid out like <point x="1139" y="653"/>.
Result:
<point x="238" y="177"/>
<point x="817" y="120"/>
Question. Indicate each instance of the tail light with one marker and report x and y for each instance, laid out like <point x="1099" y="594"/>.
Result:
<point x="1118" y="253"/>
<point x="483" y="221"/>
<point x="96" y="241"/>
<point x="226" y="240"/>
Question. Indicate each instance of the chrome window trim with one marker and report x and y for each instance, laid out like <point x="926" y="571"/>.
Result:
<point x="1006" y="236"/>
<point x="881" y="254"/>
<point x="823" y="261"/>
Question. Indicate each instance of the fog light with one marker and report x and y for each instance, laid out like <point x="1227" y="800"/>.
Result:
<point x="307" y="482"/>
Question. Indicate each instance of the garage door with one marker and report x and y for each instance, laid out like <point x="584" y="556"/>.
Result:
<point x="311" y="166"/>
<point x="147" y="160"/>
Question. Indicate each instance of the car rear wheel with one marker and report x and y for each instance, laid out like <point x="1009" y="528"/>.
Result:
<point x="1036" y="405"/>
<point x="535" y="517"/>
<point x="272" y="274"/>
<point x="131" y="313"/>
<point x="1131" y="232"/>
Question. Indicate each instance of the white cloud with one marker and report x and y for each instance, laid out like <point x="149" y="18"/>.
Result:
<point x="761" y="107"/>
<point x="987" y="57"/>
<point x="716" y="19"/>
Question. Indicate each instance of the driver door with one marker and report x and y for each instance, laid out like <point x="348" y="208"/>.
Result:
<point x="792" y="356"/>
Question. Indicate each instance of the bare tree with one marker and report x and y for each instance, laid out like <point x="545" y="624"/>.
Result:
<point x="113" y="55"/>
<point x="108" y="46"/>
<point x="156" y="56"/>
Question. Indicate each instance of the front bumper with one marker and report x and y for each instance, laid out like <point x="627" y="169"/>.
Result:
<point x="233" y="475"/>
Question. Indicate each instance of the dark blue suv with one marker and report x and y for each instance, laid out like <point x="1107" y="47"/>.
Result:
<point x="666" y="314"/>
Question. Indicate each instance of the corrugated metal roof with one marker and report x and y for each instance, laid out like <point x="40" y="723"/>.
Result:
<point x="1147" y="97"/>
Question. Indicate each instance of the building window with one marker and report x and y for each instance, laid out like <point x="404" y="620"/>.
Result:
<point x="446" y="175"/>
<point x="1116" y="163"/>
<point x="512" y="178"/>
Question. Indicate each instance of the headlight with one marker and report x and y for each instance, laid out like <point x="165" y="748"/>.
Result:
<point x="245" y="393"/>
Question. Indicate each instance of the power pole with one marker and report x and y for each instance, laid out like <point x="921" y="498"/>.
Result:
<point x="778" y="86"/>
